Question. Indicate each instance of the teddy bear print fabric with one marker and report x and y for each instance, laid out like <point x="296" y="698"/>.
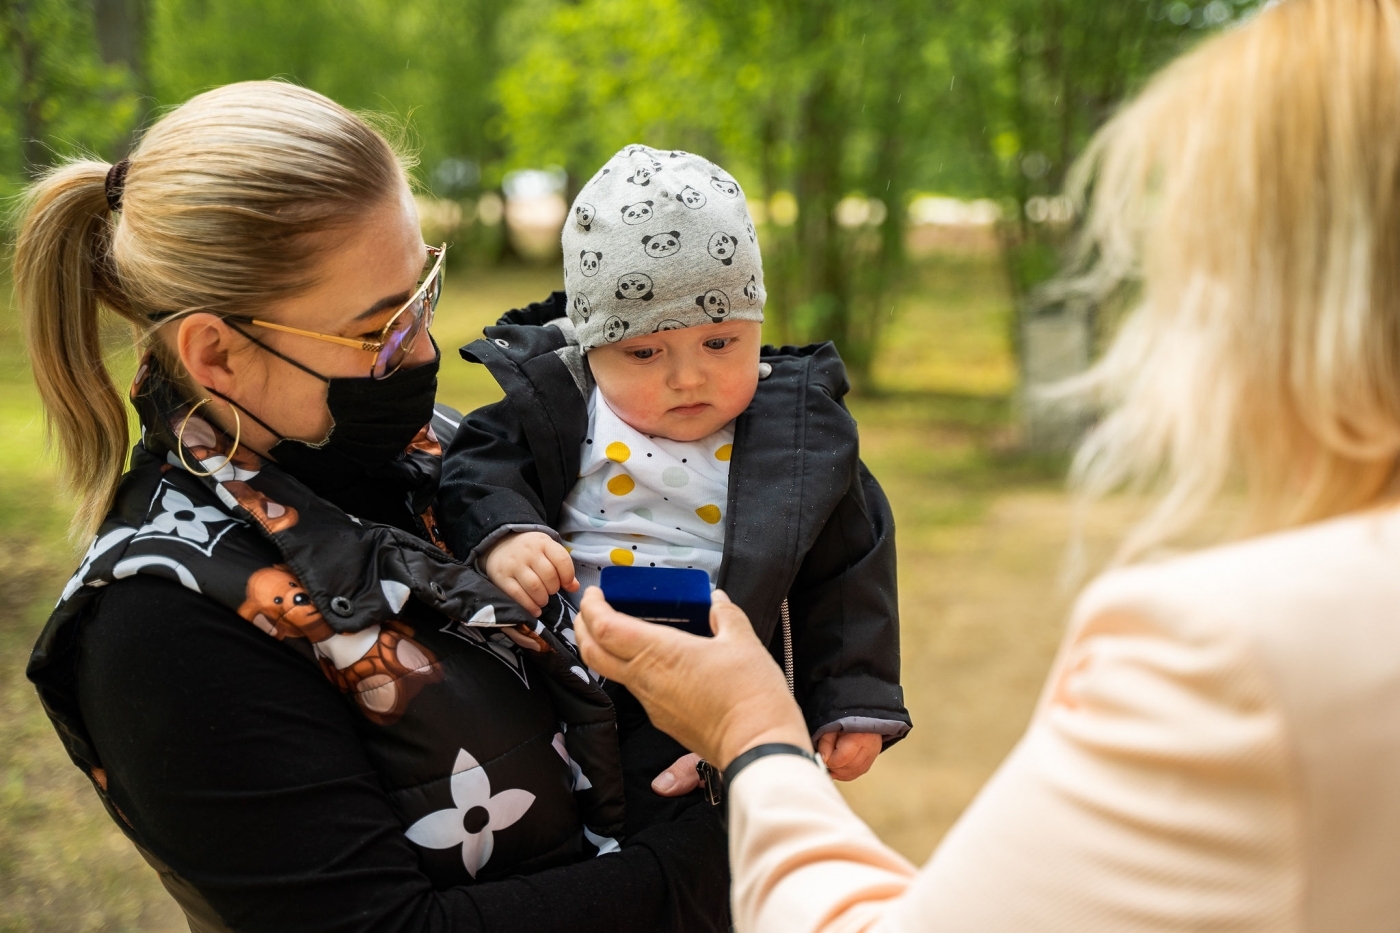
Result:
<point x="646" y="501"/>
<point x="659" y="240"/>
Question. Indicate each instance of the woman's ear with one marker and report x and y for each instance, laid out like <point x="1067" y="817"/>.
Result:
<point x="205" y="344"/>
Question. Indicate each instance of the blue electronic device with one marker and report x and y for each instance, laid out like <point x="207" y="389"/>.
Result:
<point x="679" y="598"/>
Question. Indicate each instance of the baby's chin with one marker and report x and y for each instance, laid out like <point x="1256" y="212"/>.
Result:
<point x="679" y="426"/>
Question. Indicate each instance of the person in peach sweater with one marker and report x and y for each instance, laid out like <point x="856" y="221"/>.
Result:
<point x="1218" y="744"/>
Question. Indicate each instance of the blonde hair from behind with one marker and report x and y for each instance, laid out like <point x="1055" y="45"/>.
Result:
<point x="1246" y="205"/>
<point x="224" y="206"/>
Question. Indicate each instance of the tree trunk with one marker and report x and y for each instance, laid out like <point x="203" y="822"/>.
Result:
<point x="776" y="276"/>
<point x="122" y="29"/>
<point x="821" y="146"/>
<point x="20" y="38"/>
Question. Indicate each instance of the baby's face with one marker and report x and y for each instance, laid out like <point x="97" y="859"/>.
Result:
<point x="681" y="384"/>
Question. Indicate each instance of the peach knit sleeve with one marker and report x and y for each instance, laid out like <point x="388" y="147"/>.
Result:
<point x="1150" y="793"/>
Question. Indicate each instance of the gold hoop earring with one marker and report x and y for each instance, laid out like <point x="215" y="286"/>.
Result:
<point x="228" y="458"/>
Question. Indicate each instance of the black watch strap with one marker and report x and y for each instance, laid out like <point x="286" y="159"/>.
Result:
<point x="763" y="751"/>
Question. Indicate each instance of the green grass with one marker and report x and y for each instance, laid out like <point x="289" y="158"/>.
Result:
<point x="980" y="530"/>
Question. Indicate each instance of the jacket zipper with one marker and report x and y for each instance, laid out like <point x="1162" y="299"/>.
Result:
<point x="787" y="645"/>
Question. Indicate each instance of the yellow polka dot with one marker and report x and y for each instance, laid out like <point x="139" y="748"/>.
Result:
<point x="621" y="484"/>
<point x="709" y="514"/>
<point x="621" y="558"/>
<point x="725" y="452"/>
<point x="618" y="451"/>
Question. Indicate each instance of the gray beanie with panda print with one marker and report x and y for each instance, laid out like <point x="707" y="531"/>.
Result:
<point x="659" y="240"/>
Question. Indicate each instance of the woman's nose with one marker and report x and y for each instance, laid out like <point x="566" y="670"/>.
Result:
<point x="421" y="352"/>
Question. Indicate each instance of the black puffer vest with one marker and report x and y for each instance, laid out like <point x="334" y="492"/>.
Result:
<point x="494" y="744"/>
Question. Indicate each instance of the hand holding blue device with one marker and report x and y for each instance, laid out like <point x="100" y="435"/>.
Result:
<point x="679" y="598"/>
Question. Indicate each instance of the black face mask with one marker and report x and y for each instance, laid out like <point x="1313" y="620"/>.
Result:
<point x="373" y="420"/>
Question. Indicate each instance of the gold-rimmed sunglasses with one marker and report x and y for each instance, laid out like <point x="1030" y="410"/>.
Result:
<point x="400" y="333"/>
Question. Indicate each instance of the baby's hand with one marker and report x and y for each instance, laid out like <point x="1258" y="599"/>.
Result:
<point x="530" y="567"/>
<point x="848" y="755"/>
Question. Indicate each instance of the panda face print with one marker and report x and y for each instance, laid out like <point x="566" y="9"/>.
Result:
<point x="750" y="290"/>
<point x="722" y="247"/>
<point x="714" y="303"/>
<point x="583" y="216"/>
<point x="614" y="329"/>
<point x="661" y="245"/>
<point x="691" y="198"/>
<point x="589" y="261"/>
<point x="642" y="172"/>
<point x="748" y="228"/>
<point x="725" y="187"/>
<point x="581" y="306"/>
<point x="668" y="325"/>
<point x="638" y="212"/>
<point x="634" y="286"/>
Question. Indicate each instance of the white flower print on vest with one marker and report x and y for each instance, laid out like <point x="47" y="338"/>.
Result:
<point x="476" y="816"/>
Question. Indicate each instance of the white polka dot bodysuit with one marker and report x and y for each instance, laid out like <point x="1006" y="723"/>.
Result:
<point x="646" y="501"/>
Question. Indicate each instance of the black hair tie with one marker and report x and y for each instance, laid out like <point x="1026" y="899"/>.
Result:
<point x="116" y="184"/>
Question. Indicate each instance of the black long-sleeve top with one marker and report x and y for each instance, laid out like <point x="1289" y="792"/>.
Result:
<point x="240" y="765"/>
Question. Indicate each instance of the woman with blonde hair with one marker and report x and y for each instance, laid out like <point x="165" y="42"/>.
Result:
<point x="301" y="709"/>
<point x="1218" y="744"/>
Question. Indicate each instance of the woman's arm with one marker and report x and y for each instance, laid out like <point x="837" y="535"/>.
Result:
<point x="240" y="768"/>
<point x="1150" y="794"/>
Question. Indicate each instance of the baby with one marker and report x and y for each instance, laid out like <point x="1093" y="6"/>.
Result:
<point x="644" y="424"/>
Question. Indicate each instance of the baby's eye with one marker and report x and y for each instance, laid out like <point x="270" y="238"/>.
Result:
<point x="718" y="343"/>
<point x="645" y="353"/>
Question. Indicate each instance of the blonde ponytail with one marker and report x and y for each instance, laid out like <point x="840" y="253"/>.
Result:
<point x="223" y="209"/>
<point x="62" y="277"/>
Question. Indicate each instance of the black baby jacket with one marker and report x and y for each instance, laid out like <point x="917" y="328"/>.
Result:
<point x="805" y="519"/>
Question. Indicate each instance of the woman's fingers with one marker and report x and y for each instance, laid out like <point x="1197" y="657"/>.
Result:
<point x="596" y="639"/>
<point x="716" y="695"/>
<point x="679" y="779"/>
<point x="725" y="617"/>
<point x="612" y="638"/>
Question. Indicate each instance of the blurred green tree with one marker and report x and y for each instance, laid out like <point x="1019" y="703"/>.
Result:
<point x="833" y="113"/>
<point x="428" y="64"/>
<point x="803" y="101"/>
<point x="849" y="108"/>
<point x="57" y="94"/>
<point x="1028" y="82"/>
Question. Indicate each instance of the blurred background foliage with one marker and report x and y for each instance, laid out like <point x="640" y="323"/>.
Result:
<point x="835" y="115"/>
